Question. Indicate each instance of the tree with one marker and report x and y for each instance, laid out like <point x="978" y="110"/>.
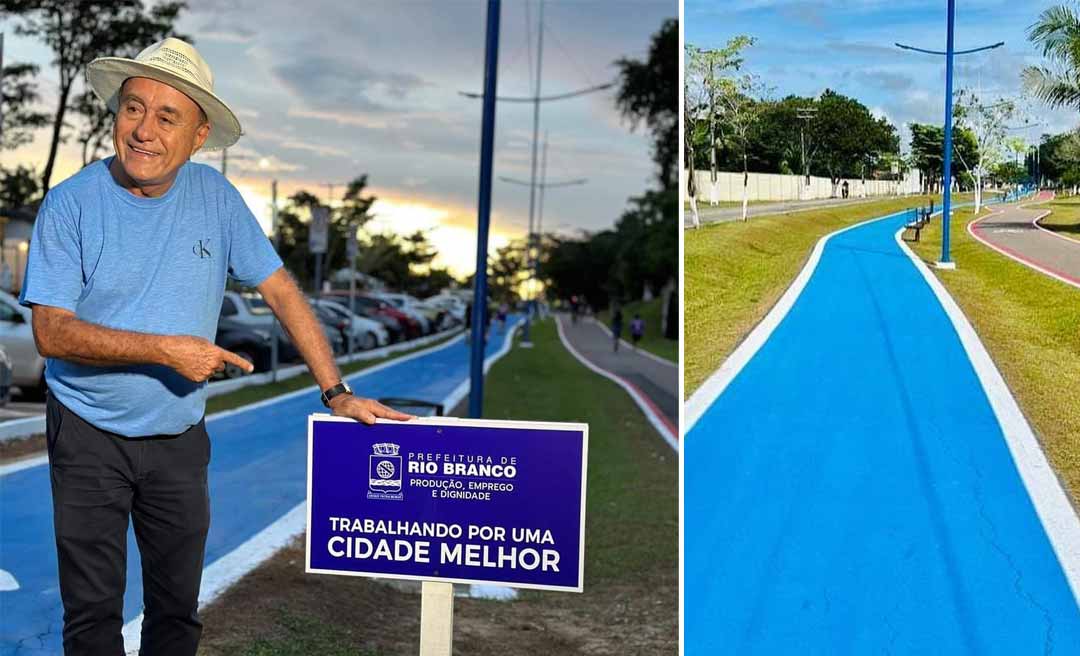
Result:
<point x="986" y="125"/>
<point x="649" y="91"/>
<point x="852" y="141"/>
<point x="704" y="66"/>
<point x="928" y="151"/>
<point x="80" y="31"/>
<point x="18" y="93"/>
<point x="18" y="186"/>
<point x="1057" y="32"/>
<point x="740" y="109"/>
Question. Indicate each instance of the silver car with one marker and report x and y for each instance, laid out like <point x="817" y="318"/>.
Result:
<point x="17" y="339"/>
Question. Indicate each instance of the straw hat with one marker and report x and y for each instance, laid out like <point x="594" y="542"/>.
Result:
<point x="177" y="64"/>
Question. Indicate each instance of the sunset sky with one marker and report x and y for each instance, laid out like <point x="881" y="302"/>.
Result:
<point x="327" y="91"/>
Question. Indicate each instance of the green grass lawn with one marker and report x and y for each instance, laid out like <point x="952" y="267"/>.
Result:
<point x="632" y="514"/>
<point x="630" y="602"/>
<point x="735" y="272"/>
<point x="653" y="340"/>
<point x="1064" y="215"/>
<point x="1030" y="324"/>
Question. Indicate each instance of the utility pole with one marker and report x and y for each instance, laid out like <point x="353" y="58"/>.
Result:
<point x="805" y="115"/>
<point x="542" y="186"/>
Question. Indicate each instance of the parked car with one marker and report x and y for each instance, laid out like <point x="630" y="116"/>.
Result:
<point x="5" y="377"/>
<point x="405" y="303"/>
<point x="252" y="344"/>
<point x="248" y="308"/>
<point x="17" y="339"/>
<point x="336" y="326"/>
<point x="410" y="325"/>
<point x="369" y="309"/>
<point x="452" y="304"/>
<point x="366" y="334"/>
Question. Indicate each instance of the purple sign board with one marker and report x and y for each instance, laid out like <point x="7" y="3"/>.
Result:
<point x="445" y="499"/>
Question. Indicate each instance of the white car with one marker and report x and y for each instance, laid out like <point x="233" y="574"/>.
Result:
<point x="450" y="304"/>
<point x="366" y="334"/>
<point x="17" y="338"/>
<point x="249" y="309"/>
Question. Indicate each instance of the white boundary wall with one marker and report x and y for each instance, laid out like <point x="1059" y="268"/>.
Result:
<point x="777" y="187"/>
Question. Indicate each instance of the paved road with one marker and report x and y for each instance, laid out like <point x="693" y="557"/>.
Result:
<point x="1012" y="230"/>
<point x="850" y="489"/>
<point x="722" y="214"/>
<point x="658" y="379"/>
<point x="258" y="473"/>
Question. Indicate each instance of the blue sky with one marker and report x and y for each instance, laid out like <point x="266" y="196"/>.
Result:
<point x="807" y="46"/>
<point x="328" y="90"/>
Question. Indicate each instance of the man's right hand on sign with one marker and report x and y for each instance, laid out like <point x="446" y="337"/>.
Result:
<point x="197" y="359"/>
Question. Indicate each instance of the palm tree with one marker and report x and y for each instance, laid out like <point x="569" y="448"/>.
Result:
<point x="1057" y="32"/>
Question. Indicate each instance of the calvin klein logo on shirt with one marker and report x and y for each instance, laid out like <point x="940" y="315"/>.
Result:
<point x="200" y="248"/>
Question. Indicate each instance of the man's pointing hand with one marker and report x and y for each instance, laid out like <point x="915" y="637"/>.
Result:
<point x="197" y="359"/>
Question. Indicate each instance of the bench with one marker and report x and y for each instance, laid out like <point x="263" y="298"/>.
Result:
<point x="914" y="228"/>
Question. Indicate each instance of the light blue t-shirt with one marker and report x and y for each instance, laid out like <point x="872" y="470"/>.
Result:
<point x="149" y="265"/>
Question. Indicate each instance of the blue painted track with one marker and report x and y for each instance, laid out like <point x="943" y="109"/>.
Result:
<point x="258" y="472"/>
<point x="851" y="492"/>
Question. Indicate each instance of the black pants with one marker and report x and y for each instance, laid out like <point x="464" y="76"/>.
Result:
<point x="99" y="479"/>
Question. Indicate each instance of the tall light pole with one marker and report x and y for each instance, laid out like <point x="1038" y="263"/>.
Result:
<point x="487" y="149"/>
<point x="536" y="99"/>
<point x="946" y="205"/>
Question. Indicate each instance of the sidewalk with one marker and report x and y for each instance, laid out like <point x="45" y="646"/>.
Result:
<point x="654" y="377"/>
<point x="1014" y="232"/>
<point x="723" y="214"/>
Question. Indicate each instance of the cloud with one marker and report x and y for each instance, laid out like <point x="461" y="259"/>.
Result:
<point x="340" y="83"/>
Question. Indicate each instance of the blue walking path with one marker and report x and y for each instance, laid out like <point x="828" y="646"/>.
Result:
<point x="258" y="473"/>
<point x="851" y="491"/>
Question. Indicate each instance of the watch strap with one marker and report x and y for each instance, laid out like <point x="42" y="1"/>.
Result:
<point x="329" y="393"/>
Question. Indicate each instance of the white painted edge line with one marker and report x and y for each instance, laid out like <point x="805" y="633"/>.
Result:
<point x="26" y="463"/>
<point x="1048" y="231"/>
<point x="1056" y="513"/>
<point x="24" y="427"/>
<point x="703" y="398"/>
<point x="634" y="349"/>
<point x="653" y="418"/>
<point x="1035" y="222"/>
<point x="230" y="568"/>
<point x="1031" y="265"/>
<point x="28" y="426"/>
<point x="462" y="390"/>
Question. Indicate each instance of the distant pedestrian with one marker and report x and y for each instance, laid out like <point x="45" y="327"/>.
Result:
<point x="637" y="329"/>
<point x="504" y="310"/>
<point x="616" y="326"/>
<point x="844" y="187"/>
<point x="575" y="308"/>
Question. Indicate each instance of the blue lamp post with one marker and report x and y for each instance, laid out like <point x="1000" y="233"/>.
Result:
<point x="946" y="262"/>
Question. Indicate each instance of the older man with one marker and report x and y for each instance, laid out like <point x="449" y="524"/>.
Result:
<point x="126" y="274"/>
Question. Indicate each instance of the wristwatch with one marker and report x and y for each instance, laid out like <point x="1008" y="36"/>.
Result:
<point x="337" y="390"/>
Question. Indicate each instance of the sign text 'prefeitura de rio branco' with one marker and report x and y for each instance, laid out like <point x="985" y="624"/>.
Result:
<point x="443" y="499"/>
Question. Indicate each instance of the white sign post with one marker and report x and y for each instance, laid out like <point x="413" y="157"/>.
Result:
<point x="436" y="618"/>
